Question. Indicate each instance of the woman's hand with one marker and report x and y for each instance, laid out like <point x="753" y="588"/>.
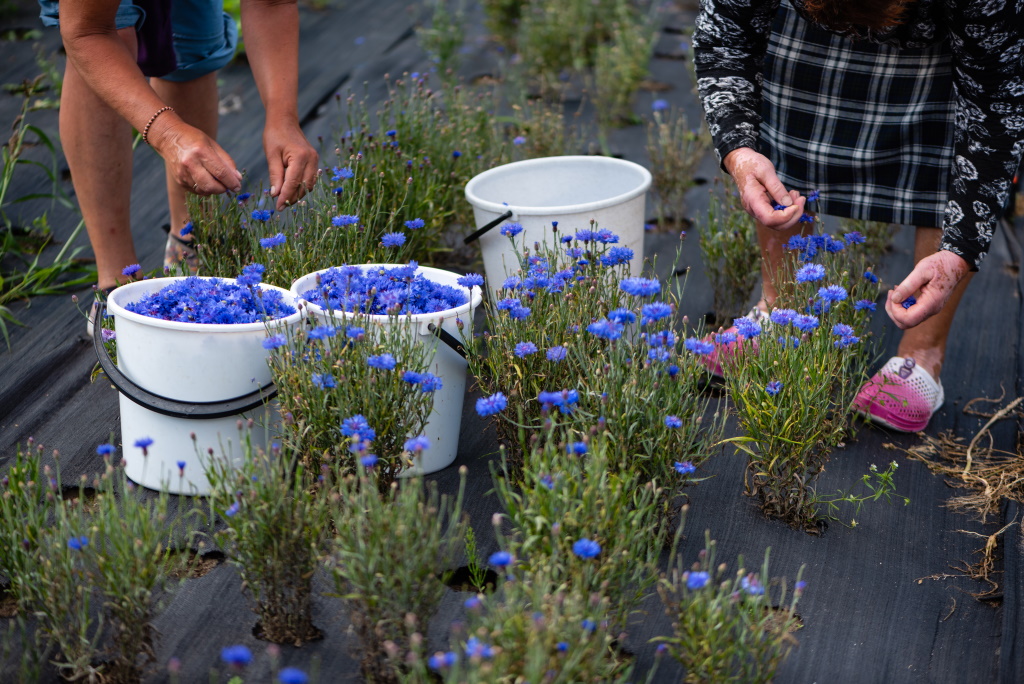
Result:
<point x="195" y="160"/>
<point x="292" y="162"/>
<point x="760" y="189"/>
<point x="932" y="282"/>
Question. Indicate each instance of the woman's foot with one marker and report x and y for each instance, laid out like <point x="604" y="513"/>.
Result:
<point x="902" y="396"/>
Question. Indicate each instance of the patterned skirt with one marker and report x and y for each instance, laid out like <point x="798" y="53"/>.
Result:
<point x="869" y="126"/>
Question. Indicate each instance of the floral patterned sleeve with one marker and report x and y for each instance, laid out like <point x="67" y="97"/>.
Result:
<point x="987" y="40"/>
<point x="729" y="41"/>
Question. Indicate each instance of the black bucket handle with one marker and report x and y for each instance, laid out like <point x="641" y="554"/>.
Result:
<point x="195" y="410"/>
<point x="475" y="235"/>
<point x="449" y="339"/>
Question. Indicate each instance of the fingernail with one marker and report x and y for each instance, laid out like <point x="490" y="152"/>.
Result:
<point x="273" y="191"/>
<point x="787" y="201"/>
<point x="239" y="174"/>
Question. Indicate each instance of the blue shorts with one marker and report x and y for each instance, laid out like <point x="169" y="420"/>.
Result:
<point x="205" y="36"/>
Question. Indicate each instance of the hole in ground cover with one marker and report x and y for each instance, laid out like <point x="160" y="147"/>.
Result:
<point x="291" y="634"/>
<point x="461" y="579"/>
<point x="195" y="564"/>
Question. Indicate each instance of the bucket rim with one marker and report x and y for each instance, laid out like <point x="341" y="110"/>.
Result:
<point x="524" y="210"/>
<point x="116" y="308"/>
<point x="475" y="296"/>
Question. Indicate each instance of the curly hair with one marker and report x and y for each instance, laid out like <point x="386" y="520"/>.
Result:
<point x="847" y="16"/>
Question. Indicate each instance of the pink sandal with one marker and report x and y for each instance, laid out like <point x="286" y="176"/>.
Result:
<point x="713" y="360"/>
<point x="901" y="396"/>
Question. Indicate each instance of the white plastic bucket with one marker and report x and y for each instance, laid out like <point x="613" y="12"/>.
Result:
<point x="187" y="362"/>
<point x="445" y="420"/>
<point x="571" y="190"/>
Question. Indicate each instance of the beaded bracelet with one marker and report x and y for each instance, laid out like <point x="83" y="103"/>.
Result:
<point x="145" y="131"/>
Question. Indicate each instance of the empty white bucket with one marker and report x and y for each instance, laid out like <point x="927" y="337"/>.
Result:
<point x="571" y="190"/>
<point x="208" y="368"/>
<point x="443" y="425"/>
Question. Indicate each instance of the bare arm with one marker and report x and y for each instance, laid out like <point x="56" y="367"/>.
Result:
<point x="271" y="30"/>
<point x="109" y="68"/>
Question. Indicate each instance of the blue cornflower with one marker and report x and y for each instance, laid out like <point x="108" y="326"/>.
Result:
<point x="512" y="283"/>
<point x="187" y="229"/>
<point x="563" y="400"/>
<point x="292" y="675"/>
<point x="659" y="354"/>
<point x="251" y="274"/>
<point x="672" y="371"/>
<point x="605" y="236"/>
<point x="663" y="338"/>
<point x="369" y="460"/>
<point x="640" y="287"/>
<point x="508" y="303"/>
<point x="797" y="243"/>
<point x="415" y="224"/>
<point x="343" y="174"/>
<point x="805" y="323"/>
<point x="262" y="214"/>
<point x="684" y="467"/>
<point x="747" y="328"/>
<point x="412" y="377"/>
<point x="108" y="334"/>
<point x="834" y="246"/>
<point x="274" y="240"/>
<point x="697" y="579"/>
<point x="909" y="302"/>
<point x="813" y="195"/>
<point x="782" y="316"/>
<point x="854" y="238"/>
<point x="472" y="603"/>
<point x="725" y="338"/>
<point x="622" y="315"/>
<point x="832" y="293"/>
<point x="616" y="256"/>
<point x="511" y="229"/>
<point x="275" y="341"/>
<point x="344" y="220"/>
<point x="78" y="543"/>
<point x="578" y="448"/>
<point x="842" y="330"/>
<point x="773" y="388"/>
<point x="673" y="422"/>
<point x="810" y="273"/>
<point x="439" y="661"/>
<point x="525" y="349"/>
<point x="699" y="347"/>
<point x="488" y="406"/>
<point x="392" y="133"/>
<point x="805" y="218"/>
<point x="383" y="361"/>
<point x="238" y="656"/>
<point x="870" y="277"/>
<point x="500" y="559"/>
<point x="865" y="305"/>
<point x="655" y="311"/>
<point x="181" y="468"/>
<point x="518" y="140"/>
<point x="232" y="510"/>
<point x="357" y="426"/>
<point x="478" y="649"/>
<point x="659" y="105"/>
<point x="588" y="625"/>
<point x="752" y="585"/>
<point x="791" y="341"/>
<point x="846" y="341"/>
<point x="106" y="449"/>
<point x="557" y="353"/>
<point x="547" y="481"/>
<point x="471" y="280"/>
<point x="392" y="239"/>
<point x="144" y="443"/>
<point x="322" y="332"/>
<point x="417" y="444"/>
<point x="586" y="548"/>
<point x="456" y="154"/>
<point x="519" y="312"/>
<point x="430" y="382"/>
<point x="131" y="270"/>
<point x="606" y="329"/>
<point x="355" y="333"/>
<point x="323" y="380"/>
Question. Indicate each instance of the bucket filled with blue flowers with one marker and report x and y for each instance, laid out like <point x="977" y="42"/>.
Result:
<point x="434" y="305"/>
<point x="192" y="372"/>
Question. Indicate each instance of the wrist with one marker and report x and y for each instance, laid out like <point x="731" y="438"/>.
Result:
<point x="163" y="130"/>
<point x="733" y="156"/>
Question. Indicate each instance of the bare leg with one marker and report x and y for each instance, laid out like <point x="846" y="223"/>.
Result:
<point x="196" y="102"/>
<point x="926" y="342"/>
<point x="97" y="143"/>
<point x="773" y="251"/>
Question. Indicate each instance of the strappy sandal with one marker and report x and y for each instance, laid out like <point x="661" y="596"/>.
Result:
<point x="178" y="250"/>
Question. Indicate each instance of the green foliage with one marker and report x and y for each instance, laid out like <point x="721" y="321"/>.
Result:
<point x="275" y="531"/>
<point x="388" y="555"/>
<point x="726" y="629"/>
<point x="730" y="252"/>
<point x="314" y="411"/>
<point x="444" y="37"/>
<point x="620" y="66"/>
<point x="877" y="237"/>
<point x="675" y="150"/>
<point x="565" y="496"/>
